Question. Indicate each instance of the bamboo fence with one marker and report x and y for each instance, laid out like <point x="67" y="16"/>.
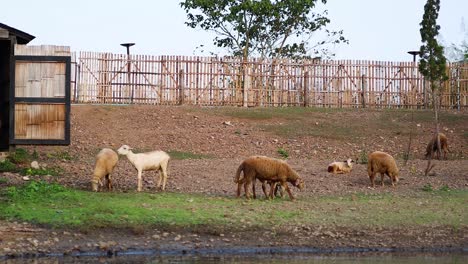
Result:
<point x="106" y="78"/>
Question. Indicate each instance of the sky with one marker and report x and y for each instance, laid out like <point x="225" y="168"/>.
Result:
<point x="381" y="30"/>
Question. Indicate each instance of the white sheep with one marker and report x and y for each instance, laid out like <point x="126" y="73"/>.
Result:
<point x="106" y="160"/>
<point x="340" y="167"/>
<point x="383" y="163"/>
<point x="154" y="160"/>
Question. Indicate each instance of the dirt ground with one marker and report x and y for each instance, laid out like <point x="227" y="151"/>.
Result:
<point x="227" y="141"/>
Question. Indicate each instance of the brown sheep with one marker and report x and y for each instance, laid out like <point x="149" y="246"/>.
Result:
<point x="432" y="147"/>
<point x="106" y="160"/>
<point x="340" y="167"/>
<point x="270" y="170"/>
<point x="383" y="163"/>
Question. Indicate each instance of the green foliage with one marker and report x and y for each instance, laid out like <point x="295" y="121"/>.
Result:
<point x="60" y="155"/>
<point x="3" y="180"/>
<point x="181" y="155"/>
<point x="283" y="153"/>
<point x="7" y="165"/>
<point x="40" y="171"/>
<point x="428" y="188"/>
<point x="34" y="190"/>
<point x="433" y="62"/>
<point x="445" y="188"/>
<point x="263" y="28"/>
<point x="20" y="156"/>
<point x="363" y="157"/>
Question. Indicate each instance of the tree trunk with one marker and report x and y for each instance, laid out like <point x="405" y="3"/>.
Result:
<point x="436" y="117"/>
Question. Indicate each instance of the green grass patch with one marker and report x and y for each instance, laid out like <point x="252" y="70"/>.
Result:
<point x="7" y="166"/>
<point x="20" y="156"/>
<point x="57" y="206"/>
<point x="41" y="171"/>
<point x="60" y="155"/>
<point x="181" y="155"/>
<point x="283" y="153"/>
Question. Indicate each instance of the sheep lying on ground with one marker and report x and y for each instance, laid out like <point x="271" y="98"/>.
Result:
<point x="383" y="163"/>
<point x="269" y="170"/>
<point x="106" y="160"/>
<point x="432" y="147"/>
<point x="340" y="167"/>
<point x="154" y="160"/>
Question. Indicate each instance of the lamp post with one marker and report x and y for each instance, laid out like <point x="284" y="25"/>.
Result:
<point x="128" y="45"/>
<point x="414" y="53"/>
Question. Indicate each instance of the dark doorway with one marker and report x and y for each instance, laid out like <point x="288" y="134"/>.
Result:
<point x="5" y="51"/>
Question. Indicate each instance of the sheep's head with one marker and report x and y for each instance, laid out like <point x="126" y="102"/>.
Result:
<point x="94" y="185"/>
<point x="350" y="162"/>
<point x="124" y="150"/>
<point x="395" y="178"/>
<point x="299" y="183"/>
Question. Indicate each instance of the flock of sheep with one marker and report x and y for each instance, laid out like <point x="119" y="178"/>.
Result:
<point x="277" y="173"/>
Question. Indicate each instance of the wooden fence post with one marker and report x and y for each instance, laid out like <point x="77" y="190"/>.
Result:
<point x="181" y="87"/>
<point x="363" y="91"/>
<point x="306" y="89"/>
<point x="246" y="86"/>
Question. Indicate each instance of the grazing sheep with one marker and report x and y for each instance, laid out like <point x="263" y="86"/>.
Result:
<point x="340" y="167"/>
<point x="270" y="170"/>
<point x="106" y="160"/>
<point x="432" y="147"/>
<point x="154" y="160"/>
<point x="383" y="163"/>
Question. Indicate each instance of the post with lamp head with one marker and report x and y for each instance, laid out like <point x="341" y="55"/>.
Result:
<point x="416" y="53"/>
<point x="128" y="45"/>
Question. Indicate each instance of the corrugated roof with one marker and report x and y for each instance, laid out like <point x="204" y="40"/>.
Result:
<point x="21" y="36"/>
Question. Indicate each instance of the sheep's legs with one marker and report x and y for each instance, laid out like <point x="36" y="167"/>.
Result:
<point x="160" y="179"/>
<point x="372" y="179"/>
<point x="264" y="190"/>
<point x="285" y="186"/>
<point x="382" y="175"/>
<point x="239" y="187"/>
<point x="247" y="187"/>
<point x="109" y="182"/>
<point x="164" y="175"/>
<point x="139" y="180"/>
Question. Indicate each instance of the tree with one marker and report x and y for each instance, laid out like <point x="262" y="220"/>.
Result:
<point x="433" y="62"/>
<point x="264" y="28"/>
<point x="458" y="52"/>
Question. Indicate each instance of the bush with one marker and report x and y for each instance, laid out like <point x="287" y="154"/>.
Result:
<point x="363" y="157"/>
<point x="7" y="165"/>
<point x="39" y="172"/>
<point x="283" y="153"/>
<point x="20" y="156"/>
<point x="428" y="188"/>
<point x="34" y="188"/>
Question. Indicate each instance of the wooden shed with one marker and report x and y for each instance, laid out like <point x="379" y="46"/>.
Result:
<point x="34" y="91"/>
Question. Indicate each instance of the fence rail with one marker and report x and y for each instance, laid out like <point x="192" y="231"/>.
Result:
<point x="211" y="81"/>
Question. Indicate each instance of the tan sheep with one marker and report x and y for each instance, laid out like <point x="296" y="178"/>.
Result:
<point x="106" y="160"/>
<point x="383" y="163"/>
<point x="340" y="167"/>
<point x="267" y="169"/>
<point x="432" y="147"/>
